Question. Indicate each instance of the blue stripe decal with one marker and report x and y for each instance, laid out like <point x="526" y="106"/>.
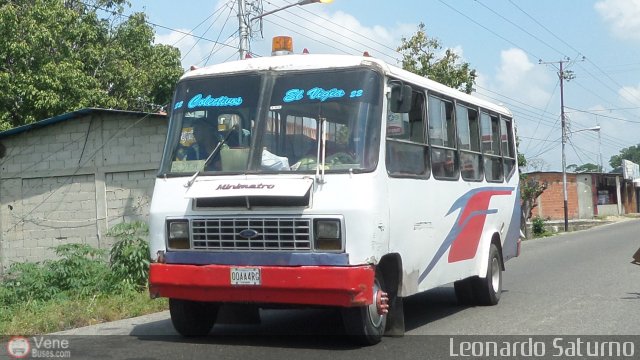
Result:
<point x="256" y="258"/>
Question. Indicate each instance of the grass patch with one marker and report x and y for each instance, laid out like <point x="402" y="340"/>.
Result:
<point x="82" y="286"/>
<point x="40" y="317"/>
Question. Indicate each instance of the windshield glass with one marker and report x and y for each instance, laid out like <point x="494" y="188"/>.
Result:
<point x="287" y="138"/>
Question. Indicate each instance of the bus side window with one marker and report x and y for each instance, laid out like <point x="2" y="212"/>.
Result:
<point x="406" y="146"/>
<point x="469" y="143"/>
<point x="508" y="149"/>
<point x="491" y="147"/>
<point x="444" y="161"/>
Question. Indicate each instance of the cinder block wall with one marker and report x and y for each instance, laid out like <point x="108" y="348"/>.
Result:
<point x="69" y="182"/>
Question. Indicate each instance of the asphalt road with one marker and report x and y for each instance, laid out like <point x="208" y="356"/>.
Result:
<point x="575" y="284"/>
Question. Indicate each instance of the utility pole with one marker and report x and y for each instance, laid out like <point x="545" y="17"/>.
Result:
<point x="564" y="157"/>
<point x="243" y="29"/>
<point x="563" y="120"/>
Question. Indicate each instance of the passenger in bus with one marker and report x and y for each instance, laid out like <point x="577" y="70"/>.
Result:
<point x="206" y="138"/>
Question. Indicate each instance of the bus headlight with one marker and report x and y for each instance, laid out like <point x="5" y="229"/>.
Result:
<point x="327" y="234"/>
<point x="178" y="231"/>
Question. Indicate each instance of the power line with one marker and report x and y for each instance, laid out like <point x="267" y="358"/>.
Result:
<point x="604" y="116"/>
<point x="202" y="22"/>
<point x="520" y="28"/>
<point x="488" y="29"/>
<point x="299" y="33"/>
<point x="325" y="19"/>
<point x="577" y="51"/>
<point x="234" y="36"/>
<point x="158" y="25"/>
<point x="220" y="34"/>
<point x="207" y="30"/>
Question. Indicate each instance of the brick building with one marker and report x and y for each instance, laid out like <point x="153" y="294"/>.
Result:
<point x="588" y="195"/>
<point x="68" y="179"/>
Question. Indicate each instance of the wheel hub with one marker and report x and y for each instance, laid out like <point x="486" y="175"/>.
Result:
<point x="379" y="306"/>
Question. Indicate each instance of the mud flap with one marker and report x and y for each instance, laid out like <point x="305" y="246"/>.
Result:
<point x="395" y="318"/>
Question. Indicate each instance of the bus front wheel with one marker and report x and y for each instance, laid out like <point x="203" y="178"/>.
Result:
<point x="192" y="318"/>
<point x="366" y="324"/>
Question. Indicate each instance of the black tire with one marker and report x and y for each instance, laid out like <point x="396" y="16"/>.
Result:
<point x="192" y="318"/>
<point x="363" y="324"/>
<point x="464" y="291"/>
<point x="487" y="290"/>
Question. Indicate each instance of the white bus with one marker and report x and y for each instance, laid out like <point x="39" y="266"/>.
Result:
<point x="329" y="180"/>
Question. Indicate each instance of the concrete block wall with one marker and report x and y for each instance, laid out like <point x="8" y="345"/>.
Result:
<point x="72" y="180"/>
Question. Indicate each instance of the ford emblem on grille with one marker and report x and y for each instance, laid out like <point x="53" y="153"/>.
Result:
<point x="248" y="233"/>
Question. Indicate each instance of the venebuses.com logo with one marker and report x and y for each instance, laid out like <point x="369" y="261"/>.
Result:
<point x="20" y="347"/>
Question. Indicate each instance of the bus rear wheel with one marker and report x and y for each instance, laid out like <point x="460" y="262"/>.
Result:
<point x="192" y="318"/>
<point x="487" y="290"/>
<point x="366" y="324"/>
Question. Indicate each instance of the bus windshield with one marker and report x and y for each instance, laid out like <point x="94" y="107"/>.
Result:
<point x="277" y="129"/>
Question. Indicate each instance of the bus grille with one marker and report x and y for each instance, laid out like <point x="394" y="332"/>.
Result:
<point x="268" y="234"/>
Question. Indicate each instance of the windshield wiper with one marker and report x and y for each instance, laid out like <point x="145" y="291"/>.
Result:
<point x="211" y="156"/>
<point x="322" y="151"/>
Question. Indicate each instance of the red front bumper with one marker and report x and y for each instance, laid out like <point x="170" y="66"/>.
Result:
<point x="304" y="285"/>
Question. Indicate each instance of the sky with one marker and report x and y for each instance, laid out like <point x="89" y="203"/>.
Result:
<point x="514" y="45"/>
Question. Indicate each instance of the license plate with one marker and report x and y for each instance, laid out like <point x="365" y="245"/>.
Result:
<point x="245" y="276"/>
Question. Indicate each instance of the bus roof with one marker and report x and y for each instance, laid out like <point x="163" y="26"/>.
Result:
<point x="324" y="61"/>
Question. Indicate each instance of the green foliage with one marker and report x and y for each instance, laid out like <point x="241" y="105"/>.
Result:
<point x="130" y="254"/>
<point x="82" y="270"/>
<point x="632" y="153"/>
<point x="538" y="226"/>
<point x="419" y="56"/>
<point x="80" y="287"/>
<point x="59" y="56"/>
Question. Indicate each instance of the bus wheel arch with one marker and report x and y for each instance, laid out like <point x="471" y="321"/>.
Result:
<point x="495" y="240"/>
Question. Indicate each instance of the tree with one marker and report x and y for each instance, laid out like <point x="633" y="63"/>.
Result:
<point x="530" y="190"/>
<point x="632" y="153"/>
<point x="419" y="55"/>
<point x="61" y="55"/>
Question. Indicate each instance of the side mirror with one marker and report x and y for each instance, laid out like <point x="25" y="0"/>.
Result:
<point x="400" y="99"/>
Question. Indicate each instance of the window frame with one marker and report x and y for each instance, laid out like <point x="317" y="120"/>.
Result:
<point x="419" y="98"/>
<point x="491" y="156"/>
<point x="510" y="140"/>
<point x="449" y="137"/>
<point x="477" y="153"/>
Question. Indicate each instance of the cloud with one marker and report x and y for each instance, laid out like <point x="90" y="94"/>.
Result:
<point x="631" y="94"/>
<point x="333" y="33"/>
<point x="623" y="16"/>
<point x="195" y="51"/>
<point x="318" y="30"/>
<point x="517" y="77"/>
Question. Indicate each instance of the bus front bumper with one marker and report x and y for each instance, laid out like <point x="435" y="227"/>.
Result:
<point x="344" y="286"/>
